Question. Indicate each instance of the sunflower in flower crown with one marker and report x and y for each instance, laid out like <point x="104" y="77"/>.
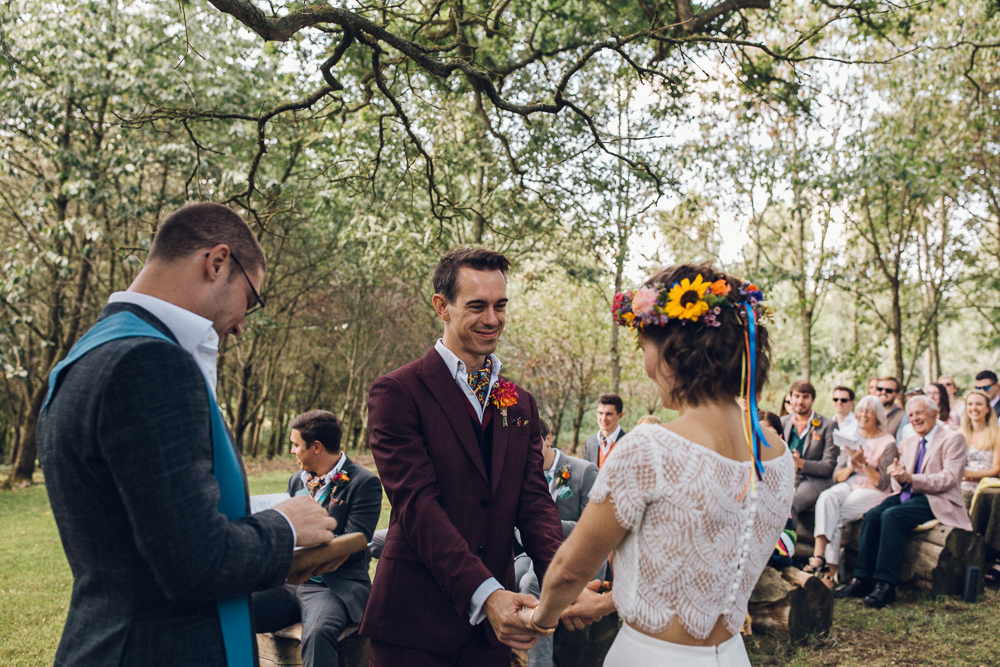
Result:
<point x="686" y="300"/>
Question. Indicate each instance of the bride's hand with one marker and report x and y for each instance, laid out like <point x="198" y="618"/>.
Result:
<point x="526" y="615"/>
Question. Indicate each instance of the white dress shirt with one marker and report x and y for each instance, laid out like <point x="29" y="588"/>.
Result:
<point x="849" y="427"/>
<point x="194" y="333"/>
<point x="457" y="369"/>
<point x="551" y="472"/>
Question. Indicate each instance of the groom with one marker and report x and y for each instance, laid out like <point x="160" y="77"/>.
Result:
<point x="461" y="473"/>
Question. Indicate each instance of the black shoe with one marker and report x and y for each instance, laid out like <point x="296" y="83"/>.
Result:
<point x="883" y="595"/>
<point x="857" y="588"/>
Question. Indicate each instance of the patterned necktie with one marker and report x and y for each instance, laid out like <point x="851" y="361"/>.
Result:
<point x="480" y="381"/>
<point x="314" y="483"/>
<point x="908" y="491"/>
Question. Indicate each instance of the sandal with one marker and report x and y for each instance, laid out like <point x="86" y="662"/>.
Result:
<point x="816" y="565"/>
<point x="992" y="574"/>
<point x="828" y="581"/>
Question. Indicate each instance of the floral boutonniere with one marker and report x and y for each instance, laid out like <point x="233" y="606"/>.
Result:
<point x="562" y="476"/>
<point x="815" y="423"/>
<point x="340" y="479"/>
<point x="503" y="396"/>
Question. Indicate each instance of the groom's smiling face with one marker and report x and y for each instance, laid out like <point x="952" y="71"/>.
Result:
<point x="474" y="320"/>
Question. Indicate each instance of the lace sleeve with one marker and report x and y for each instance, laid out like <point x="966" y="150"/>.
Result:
<point x="628" y="478"/>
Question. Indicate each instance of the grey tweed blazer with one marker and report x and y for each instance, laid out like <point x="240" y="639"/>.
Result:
<point x="126" y="449"/>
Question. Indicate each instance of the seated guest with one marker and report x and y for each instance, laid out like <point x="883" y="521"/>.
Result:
<point x="569" y="480"/>
<point x="786" y="407"/>
<point x="648" y="419"/>
<point x="937" y="393"/>
<point x="888" y="390"/>
<point x="325" y="605"/>
<point x="986" y="382"/>
<point x="610" y="409"/>
<point x="810" y="437"/>
<point x="925" y="485"/>
<point x="862" y="483"/>
<point x="979" y="426"/>
<point x="843" y="406"/>
<point x="873" y="387"/>
<point x="956" y="403"/>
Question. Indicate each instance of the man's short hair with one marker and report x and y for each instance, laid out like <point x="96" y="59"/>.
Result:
<point x="543" y="428"/>
<point x="928" y="402"/>
<point x="803" y="387"/>
<point x="613" y="400"/>
<point x="196" y="227"/>
<point x="889" y="378"/>
<point x="319" y="426"/>
<point x="986" y="375"/>
<point x="850" y="392"/>
<point x="480" y="259"/>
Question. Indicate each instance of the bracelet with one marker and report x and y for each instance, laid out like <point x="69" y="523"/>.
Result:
<point x="545" y="631"/>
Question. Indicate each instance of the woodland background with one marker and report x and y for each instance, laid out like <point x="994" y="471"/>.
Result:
<point x="845" y="156"/>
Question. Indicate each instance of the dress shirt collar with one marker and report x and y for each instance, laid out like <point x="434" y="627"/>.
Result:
<point x="613" y="438"/>
<point x="194" y="333"/>
<point x="993" y="403"/>
<point x="551" y="472"/>
<point x="328" y="477"/>
<point x="457" y="367"/>
<point x="930" y="436"/>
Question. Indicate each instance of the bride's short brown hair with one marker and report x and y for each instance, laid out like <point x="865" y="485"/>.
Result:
<point x="706" y="362"/>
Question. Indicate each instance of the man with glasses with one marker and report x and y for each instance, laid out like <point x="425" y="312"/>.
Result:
<point x="843" y="406"/>
<point x="986" y="382"/>
<point x="887" y="389"/>
<point x="146" y="486"/>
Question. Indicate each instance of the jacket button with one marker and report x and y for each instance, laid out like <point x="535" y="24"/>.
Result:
<point x="484" y="503"/>
<point x="481" y="550"/>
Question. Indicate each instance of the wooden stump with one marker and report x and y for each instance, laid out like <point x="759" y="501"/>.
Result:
<point x="284" y="647"/>
<point x="933" y="560"/>
<point x="790" y="603"/>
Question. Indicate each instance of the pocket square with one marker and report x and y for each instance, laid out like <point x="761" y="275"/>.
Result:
<point x="565" y="493"/>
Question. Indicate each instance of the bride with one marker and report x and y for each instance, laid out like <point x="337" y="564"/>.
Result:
<point x="691" y="509"/>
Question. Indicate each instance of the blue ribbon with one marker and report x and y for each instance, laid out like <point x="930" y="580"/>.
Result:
<point x="757" y="435"/>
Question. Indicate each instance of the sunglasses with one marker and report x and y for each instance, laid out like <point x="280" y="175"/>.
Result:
<point x="841" y="400"/>
<point x="885" y="390"/>
<point x="986" y="388"/>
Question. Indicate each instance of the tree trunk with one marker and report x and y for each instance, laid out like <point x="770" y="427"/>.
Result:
<point x="581" y="409"/>
<point x="897" y="336"/>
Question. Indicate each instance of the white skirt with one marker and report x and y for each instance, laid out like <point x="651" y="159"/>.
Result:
<point x="635" y="649"/>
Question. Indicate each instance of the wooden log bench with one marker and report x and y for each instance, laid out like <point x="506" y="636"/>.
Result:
<point x="790" y="603"/>
<point x="284" y="647"/>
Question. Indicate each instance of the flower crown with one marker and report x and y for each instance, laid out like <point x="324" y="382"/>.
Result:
<point x="697" y="301"/>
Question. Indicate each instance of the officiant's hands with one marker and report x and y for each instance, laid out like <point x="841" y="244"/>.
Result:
<point x="313" y="524"/>
<point x="502" y="610"/>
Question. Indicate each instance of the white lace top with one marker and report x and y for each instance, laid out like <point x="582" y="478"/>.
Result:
<point x="694" y="549"/>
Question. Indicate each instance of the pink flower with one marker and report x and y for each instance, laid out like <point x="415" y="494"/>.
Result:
<point x="644" y="301"/>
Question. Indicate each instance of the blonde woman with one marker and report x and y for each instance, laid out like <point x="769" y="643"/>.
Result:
<point x="982" y="436"/>
<point x="982" y="433"/>
<point x="648" y="419"/>
<point x="862" y="483"/>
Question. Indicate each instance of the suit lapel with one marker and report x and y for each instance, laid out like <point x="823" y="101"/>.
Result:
<point x="500" y="435"/>
<point x="442" y="386"/>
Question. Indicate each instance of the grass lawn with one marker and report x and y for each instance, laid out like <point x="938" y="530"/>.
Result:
<point x="35" y="584"/>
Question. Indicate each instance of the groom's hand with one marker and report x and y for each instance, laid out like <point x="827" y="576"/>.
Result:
<point x="589" y="607"/>
<point x="501" y="609"/>
<point x="313" y="524"/>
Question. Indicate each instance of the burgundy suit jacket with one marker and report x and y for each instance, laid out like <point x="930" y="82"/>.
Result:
<point x="450" y="528"/>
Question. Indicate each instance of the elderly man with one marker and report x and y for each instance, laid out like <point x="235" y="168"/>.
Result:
<point x="926" y="485"/>
<point x="810" y="437"/>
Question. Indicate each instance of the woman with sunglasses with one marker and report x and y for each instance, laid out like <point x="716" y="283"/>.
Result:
<point x="691" y="509"/>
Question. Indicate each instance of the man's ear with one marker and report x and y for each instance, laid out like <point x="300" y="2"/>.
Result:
<point x="441" y="307"/>
<point x="215" y="260"/>
<point x="317" y="447"/>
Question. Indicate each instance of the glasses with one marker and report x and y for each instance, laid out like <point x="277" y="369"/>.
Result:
<point x="841" y="400"/>
<point x="259" y="299"/>
<point x="885" y="390"/>
<point x="985" y="388"/>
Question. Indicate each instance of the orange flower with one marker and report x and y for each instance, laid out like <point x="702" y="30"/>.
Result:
<point x="565" y="474"/>
<point x="721" y="288"/>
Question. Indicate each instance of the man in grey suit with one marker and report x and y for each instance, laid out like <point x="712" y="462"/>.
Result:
<point x="610" y="410"/>
<point x="325" y="605"/>
<point x="986" y="381"/>
<point x="570" y="480"/>
<point x="810" y="437"/>
<point x="146" y="487"/>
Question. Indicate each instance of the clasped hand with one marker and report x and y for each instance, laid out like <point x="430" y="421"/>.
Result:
<point x="899" y="473"/>
<point x="512" y="615"/>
